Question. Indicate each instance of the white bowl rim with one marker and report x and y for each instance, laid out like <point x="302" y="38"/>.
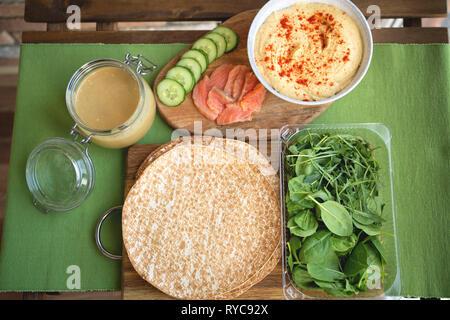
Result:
<point x="251" y="56"/>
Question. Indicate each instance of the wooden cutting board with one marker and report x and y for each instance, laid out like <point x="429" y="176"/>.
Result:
<point x="274" y="113"/>
<point x="134" y="287"/>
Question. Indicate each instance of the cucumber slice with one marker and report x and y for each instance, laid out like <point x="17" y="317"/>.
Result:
<point x="230" y="36"/>
<point x="170" y="92"/>
<point x="220" y="41"/>
<point x="183" y="76"/>
<point x="193" y="66"/>
<point x="207" y="46"/>
<point x="198" y="55"/>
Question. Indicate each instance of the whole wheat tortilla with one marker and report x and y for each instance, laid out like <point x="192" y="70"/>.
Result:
<point x="224" y="258"/>
<point x="250" y="153"/>
<point x="238" y="148"/>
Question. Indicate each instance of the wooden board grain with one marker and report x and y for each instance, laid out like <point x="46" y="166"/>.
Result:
<point x="134" y="287"/>
<point x="274" y="113"/>
<point x="177" y="10"/>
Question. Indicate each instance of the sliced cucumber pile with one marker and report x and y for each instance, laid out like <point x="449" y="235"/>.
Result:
<point x="181" y="79"/>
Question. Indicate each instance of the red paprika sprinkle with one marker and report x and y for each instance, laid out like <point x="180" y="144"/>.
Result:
<point x="286" y="25"/>
<point x="302" y="82"/>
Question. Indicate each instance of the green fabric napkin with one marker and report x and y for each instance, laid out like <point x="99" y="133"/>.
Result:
<point x="406" y="88"/>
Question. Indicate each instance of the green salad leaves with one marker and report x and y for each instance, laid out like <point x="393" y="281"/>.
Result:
<point x="334" y="214"/>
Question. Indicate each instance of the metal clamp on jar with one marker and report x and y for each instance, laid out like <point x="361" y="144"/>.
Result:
<point x="60" y="173"/>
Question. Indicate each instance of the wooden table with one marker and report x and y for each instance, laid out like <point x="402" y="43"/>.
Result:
<point x="107" y="13"/>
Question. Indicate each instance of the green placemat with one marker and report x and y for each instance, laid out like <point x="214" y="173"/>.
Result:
<point x="406" y="88"/>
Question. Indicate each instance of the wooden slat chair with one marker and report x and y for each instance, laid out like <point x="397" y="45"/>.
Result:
<point x="107" y="13"/>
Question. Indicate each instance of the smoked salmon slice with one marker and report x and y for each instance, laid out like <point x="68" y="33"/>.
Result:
<point x="219" y="76"/>
<point x="238" y="84"/>
<point x="250" y="82"/>
<point x="233" y="113"/>
<point x="217" y="99"/>
<point x="252" y="101"/>
<point x="232" y="77"/>
<point x="200" y="96"/>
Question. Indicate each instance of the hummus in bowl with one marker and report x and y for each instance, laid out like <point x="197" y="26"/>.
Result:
<point x="310" y="52"/>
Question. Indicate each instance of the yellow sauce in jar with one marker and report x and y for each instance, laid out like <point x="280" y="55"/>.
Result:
<point x="107" y="99"/>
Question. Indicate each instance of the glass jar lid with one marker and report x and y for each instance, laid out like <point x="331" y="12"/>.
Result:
<point x="60" y="174"/>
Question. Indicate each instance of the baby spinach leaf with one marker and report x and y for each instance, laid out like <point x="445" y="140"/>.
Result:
<point x="316" y="248"/>
<point x="307" y="226"/>
<point x="300" y="232"/>
<point x="322" y="195"/>
<point x="337" y="288"/>
<point x="313" y="177"/>
<point x="291" y="223"/>
<point x="318" y="215"/>
<point x="362" y="261"/>
<point x="366" y="217"/>
<point x="342" y="245"/>
<point x="336" y="218"/>
<point x="371" y="230"/>
<point x="324" y="272"/>
<point x="377" y="244"/>
<point x="357" y="261"/>
<point x="298" y="190"/>
<point x="340" y="290"/>
<point x="295" y="245"/>
<point x="306" y="221"/>
<point x="304" y="165"/>
<point x="302" y="278"/>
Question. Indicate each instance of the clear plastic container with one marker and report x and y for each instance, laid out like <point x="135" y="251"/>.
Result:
<point x="377" y="135"/>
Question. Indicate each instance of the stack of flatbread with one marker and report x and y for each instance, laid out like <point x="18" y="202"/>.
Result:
<point x="202" y="220"/>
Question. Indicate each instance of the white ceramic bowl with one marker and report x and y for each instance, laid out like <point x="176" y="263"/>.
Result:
<point x="346" y="6"/>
